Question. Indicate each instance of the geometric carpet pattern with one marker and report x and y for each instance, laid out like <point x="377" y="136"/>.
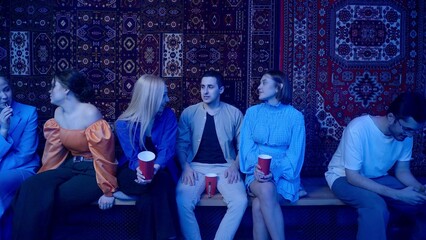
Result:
<point x="349" y="58"/>
<point x="344" y="58"/>
<point x="115" y="42"/>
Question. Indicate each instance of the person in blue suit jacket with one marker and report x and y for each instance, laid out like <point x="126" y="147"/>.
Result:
<point x="18" y="145"/>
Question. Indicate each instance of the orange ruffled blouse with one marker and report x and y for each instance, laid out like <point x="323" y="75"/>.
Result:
<point x="95" y="142"/>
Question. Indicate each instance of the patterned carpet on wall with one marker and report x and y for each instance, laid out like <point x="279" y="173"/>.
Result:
<point x="117" y="41"/>
<point x="345" y="58"/>
<point x="114" y="42"/>
<point x="349" y="58"/>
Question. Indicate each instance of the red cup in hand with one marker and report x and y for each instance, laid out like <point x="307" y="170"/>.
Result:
<point x="264" y="162"/>
<point x="146" y="164"/>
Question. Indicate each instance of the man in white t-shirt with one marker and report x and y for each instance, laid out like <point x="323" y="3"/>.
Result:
<point x="358" y="171"/>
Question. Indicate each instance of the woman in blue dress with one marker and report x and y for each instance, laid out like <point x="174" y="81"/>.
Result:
<point x="276" y="128"/>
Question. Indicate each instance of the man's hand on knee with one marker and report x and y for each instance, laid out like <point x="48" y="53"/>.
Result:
<point x="189" y="176"/>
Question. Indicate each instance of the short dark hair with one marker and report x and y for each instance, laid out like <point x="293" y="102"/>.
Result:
<point x="76" y="82"/>
<point x="215" y="74"/>
<point x="5" y="78"/>
<point x="7" y="81"/>
<point x="409" y="104"/>
<point x="284" y="95"/>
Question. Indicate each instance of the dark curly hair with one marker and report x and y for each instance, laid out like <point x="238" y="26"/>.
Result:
<point x="76" y="82"/>
<point x="409" y="104"/>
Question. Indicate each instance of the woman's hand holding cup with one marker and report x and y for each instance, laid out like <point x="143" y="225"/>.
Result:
<point x="262" y="171"/>
<point x="260" y="176"/>
<point x="146" y="170"/>
<point x="140" y="178"/>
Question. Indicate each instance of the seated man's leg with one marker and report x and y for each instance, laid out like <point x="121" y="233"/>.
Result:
<point x="373" y="214"/>
<point x="186" y="198"/>
<point x="420" y="228"/>
<point x="416" y="213"/>
<point x="417" y="220"/>
<point x="234" y="194"/>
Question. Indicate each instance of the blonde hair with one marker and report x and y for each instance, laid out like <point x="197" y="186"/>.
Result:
<point x="146" y="101"/>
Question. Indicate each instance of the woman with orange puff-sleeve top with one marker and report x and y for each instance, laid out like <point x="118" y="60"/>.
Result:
<point x="78" y="164"/>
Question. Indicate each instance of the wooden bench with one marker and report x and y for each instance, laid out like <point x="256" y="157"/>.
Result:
<point x="318" y="194"/>
<point x="319" y="215"/>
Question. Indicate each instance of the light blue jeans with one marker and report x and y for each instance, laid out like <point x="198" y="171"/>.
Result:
<point x="373" y="211"/>
<point x="187" y="197"/>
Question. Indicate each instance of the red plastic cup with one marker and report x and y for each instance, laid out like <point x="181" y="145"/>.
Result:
<point x="264" y="162"/>
<point x="146" y="164"/>
<point x="211" y="184"/>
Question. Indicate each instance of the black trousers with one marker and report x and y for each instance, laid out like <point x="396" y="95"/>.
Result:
<point x="50" y="193"/>
<point x="156" y="203"/>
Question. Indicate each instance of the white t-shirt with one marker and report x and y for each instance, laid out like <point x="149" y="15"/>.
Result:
<point x="365" y="148"/>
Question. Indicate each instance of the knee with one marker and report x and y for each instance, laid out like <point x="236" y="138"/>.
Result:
<point x="183" y="201"/>
<point x="237" y="195"/>
<point x="244" y="201"/>
<point x="267" y="193"/>
<point x="239" y="201"/>
<point x="378" y="209"/>
<point x="33" y="183"/>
